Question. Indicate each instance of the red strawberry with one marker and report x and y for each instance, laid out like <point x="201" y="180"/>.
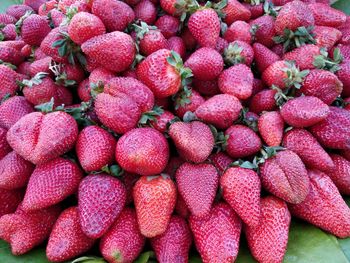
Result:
<point x="270" y="125"/>
<point x="67" y="240"/>
<point x="217" y="235"/>
<point x="95" y="148"/>
<point x="324" y="207"/>
<point x="204" y="25"/>
<point x="10" y="55"/>
<point x="9" y="201"/>
<point x="326" y="37"/>
<point x="168" y="25"/>
<point x="309" y="150"/>
<point x="101" y="198"/>
<point x="237" y="81"/>
<point x="303" y="56"/>
<point x="340" y="175"/>
<point x="241" y="189"/>
<point x="194" y="141"/>
<point x="8" y="79"/>
<point x="238" y="30"/>
<point x="145" y="11"/>
<point x="235" y="11"/>
<point x="268" y="240"/>
<point x="327" y="16"/>
<point x="169" y="6"/>
<point x="343" y="75"/>
<point x="238" y="52"/>
<point x="46" y="7"/>
<point x="143" y="151"/>
<point x="178" y="45"/>
<point x="123" y="242"/>
<point x="174" y="244"/>
<point x="344" y="51"/>
<point x="34" y="29"/>
<point x="194" y="101"/>
<point x="151" y="41"/>
<point x="5" y="147"/>
<point x="221" y="44"/>
<point x="181" y="208"/>
<point x="26" y="230"/>
<point x="162" y="121"/>
<point x="265" y="30"/>
<point x="100" y="76"/>
<point x="242" y="141"/>
<point x="285" y="176"/>
<point x="263" y="101"/>
<point x="47" y="47"/>
<point x="57" y="17"/>
<point x="256" y="10"/>
<point x="41" y="66"/>
<point x="197" y="184"/>
<point x="114" y="51"/>
<point x="206" y="87"/>
<point x="106" y="12"/>
<point x="220" y="110"/>
<point x="17" y="11"/>
<point x="221" y="161"/>
<point x="35" y="4"/>
<point x="345" y="30"/>
<point x="39" y="138"/>
<point x="155" y="199"/>
<point x="84" y="90"/>
<point x="264" y="57"/>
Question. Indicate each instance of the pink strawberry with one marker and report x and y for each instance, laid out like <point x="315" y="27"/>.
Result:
<point x="17" y="11"/>
<point x="265" y="30"/>
<point x="264" y="57"/>
<point x="326" y="37"/>
<point x="178" y="45"/>
<point x="193" y="102"/>
<point x="235" y="11"/>
<point x="47" y="47"/>
<point x="152" y="41"/>
<point x="9" y="201"/>
<point x="34" y="29"/>
<point x="206" y="87"/>
<point x="238" y="52"/>
<point x="162" y="121"/>
<point x="8" y="78"/>
<point x="263" y="101"/>
<point x="5" y="147"/>
<point x="168" y="25"/>
<point x="7" y="19"/>
<point x="146" y="11"/>
<point x="343" y="75"/>
<point x="327" y="16"/>
<point x="238" y="30"/>
<point x="270" y="125"/>
<point x="41" y="65"/>
<point x="340" y="174"/>
<point x="12" y="110"/>
<point x="221" y="161"/>
<point x="303" y="56"/>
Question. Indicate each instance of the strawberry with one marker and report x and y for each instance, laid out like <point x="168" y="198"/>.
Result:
<point x="10" y="55"/>
<point x="14" y="171"/>
<point x="9" y="32"/>
<point x="155" y="199"/>
<point x="268" y="240"/>
<point x="168" y="25"/>
<point x="188" y="38"/>
<point x="12" y="110"/>
<point x="181" y="208"/>
<point x="189" y="104"/>
<point x="114" y="51"/>
<point x="8" y="79"/>
<point x="35" y="4"/>
<point x="242" y="141"/>
<point x="235" y="11"/>
<point x="46" y="7"/>
<point x="100" y="76"/>
<point x="17" y="11"/>
<point x="216" y="235"/>
<point x="220" y="110"/>
<point x="95" y="148"/>
<point x="285" y="176"/>
<point x="58" y="179"/>
<point x="84" y="26"/>
<point x="326" y="37"/>
<point x="101" y="198"/>
<point x="238" y="30"/>
<point x="327" y="16"/>
<point x="39" y="138"/>
<point x="177" y="44"/>
<point x="343" y="75"/>
<point x="197" y="184"/>
<point x="333" y="132"/>
<point x="256" y="10"/>
<point x="7" y="19"/>
<point x="34" y="29"/>
<point x="47" y="45"/>
<point x="345" y="30"/>
<point x="9" y="201"/>
<point x="204" y="25"/>
<point x="26" y="230"/>
<point x="178" y="236"/>
<point x="265" y="30"/>
<point x="264" y="57"/>
<point x="304" y="111"/>
<point x="237" y="81"/>
<point x="344" y="51"/>
<point x="151" y="40"/>
<point x="205" y="63"/>
<point x="238" y="52"/>
<point x="145" y="11"/>
<point x="206" y="87"/>
<point x="221" y="44"/>
<point x="303" y="56"/>
<point x="270" y="125"/>
<point x="57" y="17"/>
<point x="174" y="163"/>
<point x="340" y="175"/>
<point x="143" y="151"/>
<point x="169" y="6"/>
<point x="41" y="66"/>
<point x="263" y="101"/>
<point x="221" y="161"/>
<point x="161" y="122"/>
<point x="5" y="147"/>
<point x="324" y="207"/>
<point x="106" y="12"/>
<point x="241" y="190"/>
<point x="194" y="141"/>
<point x="309" y="150"/>
<point x="67" y="231"/>
<point x="123" y="242"/>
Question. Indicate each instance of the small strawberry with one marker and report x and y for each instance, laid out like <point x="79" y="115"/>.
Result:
<point x="264" y="28"/>
<point x="168" y="25"/>
<point x="221" y="44"/>
<point x="238" y="52"/>
<point x="327" y="16"/>
<point x="5" y="147"/>
<point x="161" y="122"/>
<point x="9" y="32"/>
<point x="34" y="29"/>
<point x="9" y="201"/>
<point x="12" y="110"/>
<point x="263" y="101"/>
<point x="155" y="199"/>
<point x="178" y="45"/>
<point x="100" y="76"/>
<point x="150" y="40"/>
<point x="191" y="103"/>
<point x="84" y="90"/>
<point x="238" y="30"/>
<point x="181" y="208"/>
<point x="256" y="9"/>
<point x="145" y="11"/>
<point x="270" y="125"/>
<point x="324" y="207"/>
<point x="221" y="161"/>
<point x="303" y="56"/>
<point x="268" y="240"/>
<point x="67" y="240"/>
<point x="8" y="78"/>
<point x="326" y="37"/>
<point x="340" y="175"/>
<point x="264" y="57"/>
<point x="235" y="11"/>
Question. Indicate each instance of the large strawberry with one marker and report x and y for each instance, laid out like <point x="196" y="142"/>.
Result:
<point x="39" y="138"/>
<point x="9" y="201"/>
<point x="327" y="16"/>
<point x="101" y="198"/>
<point x="155" y="199"/>
<point x="174" y="244"/>
<point x="217" y="235"/>
<point x="197" y="184"/>
<point x="268" y="240"/>
<point x="340" y="174"/>
<point x="270" y="125"/>
<point x="8" y="78"/>
<point x="324" y="206"/>
<point x="67" y="231"/>
<point x="143" y="151"/>
<point x="50" y="183"/>
<point x="34" y="29"/>
<point x="326" y="37"/>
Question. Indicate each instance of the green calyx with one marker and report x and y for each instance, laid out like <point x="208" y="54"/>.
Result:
<point x="20" y="21"/>
<point x="61" y="75"/>
<point x="281" y="96"/>
<point x="114" y="170"/>
<point x="254" y="2"/>
<point x="340" y="103"/>
<point x="89" y="260"/>
<point x="184" y="8"/>
<point x="295" y="77"/>
<point x="5" y="98"/>
<point x="36" y="80"/>
<point x="232" y="55"/>
<point x="70" y="12"/>
<point x="96" y="88"/>
<point x="220" y="139"/>
<point x="142" y="29"/>
<point x="9" y="65"/>
<point x="150" y="116"/>
<point x="323" y="61"/>
<point x="247" y="120"/>
<point x="270" y="9"/>
<point x="293" y="39"/>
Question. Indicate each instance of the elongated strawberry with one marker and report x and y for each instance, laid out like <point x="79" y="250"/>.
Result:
<point x="123" y="242"/>
<point x="47" y="45"/>
<point x="12" y="110"/>
<point x="324" y="207"/>
<point x="178" y="235"/>
<point x="327" y="16"/>
<point x="194" y="141"/>
<point x="34" y="29"/>
<point x="7" y="19"/>
<point x="67" y="231"/>
<point x="309" y="150"/>
<point x="217" y="235"/>
<point x="263" y="101"/>
<point x="235" y="11"/>
<point x="268" y="240"/>
<point x="9" y="201"/>
<point x="340" y="174"/>
<point x="343" y="75"/>
<point x="155" y="199"/>
<point x="270" y="125"/>
<point x="264" y="57"/>
<point x="238" y="30"/>
<point x="303" y="56"/>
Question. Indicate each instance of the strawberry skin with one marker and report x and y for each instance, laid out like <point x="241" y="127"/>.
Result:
<point x="241" y="190"/>
<point x="221" y="161"/>
<point x="101" y="198"/>
<point x="46" y="45"/>
<point x="217" y="235"/>
<point x="50" y="183"/>
<point x="268" y="240"/>
<point x="303" y="56"/>
<point x="67" y="240"/>
<point x="12" y="110"/>
<point x="285" y="176"/>
<point x="4" y="146"/>
<point x="235" y="11"/>
<point x="123" y="242"/>
<point x="152" y="41"/>
<point x="194" y="141"/>
<point x="263" y="101"/>
<point x="238" y="30"/>
<point x="326" y="37"/>
<point x="340" y="175"/>
<point x="8" y="78"/>
<point x="155" y="199"/>
<point x="146" y="11"/>
<point x="40" y="92"/>
<point x="265" y="30"/>
<point x="174" y="244"/>
<point x="95" y="148"/>
<point x="197" y="184"/>
<point x="264" y="57"/>
<point x="9" y="201"/>
<point x="34" y="29"/>
<point x="309" y="150"/>
<point x="327" y="16"/>
<point x="161" y="122"/>
<point x="324" y="207"/>
<point x="270" y="125"/>
<point x="195" y="100"/>
<point x="143" y="151"/>
<point x="168" y="25"/>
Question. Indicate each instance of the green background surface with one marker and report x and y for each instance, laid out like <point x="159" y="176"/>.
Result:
<point x="306" y="244"/>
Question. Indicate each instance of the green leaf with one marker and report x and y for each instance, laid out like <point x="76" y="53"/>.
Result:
<point x="342" y="5"/>
<point x="145" y="257"/>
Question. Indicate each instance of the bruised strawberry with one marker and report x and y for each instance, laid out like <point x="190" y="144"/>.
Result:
<point x="327" y="16"/>
<point x="263" y="101"/>
<point x="238" y="31"/>
<point x="8" y="79"/>
<point x="340" y="174"/>
<point x="303" y="56"/>
<point x="34" y="29"/>
<point x="12" y="110"/>
<point x="9" y="201"/>
<point x="270" y="125"/>
<point x="235" y="11"/>
<point x="264" y="57"/>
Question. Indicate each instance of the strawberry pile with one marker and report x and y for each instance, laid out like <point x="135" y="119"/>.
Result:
<point x="172" y="125"/>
